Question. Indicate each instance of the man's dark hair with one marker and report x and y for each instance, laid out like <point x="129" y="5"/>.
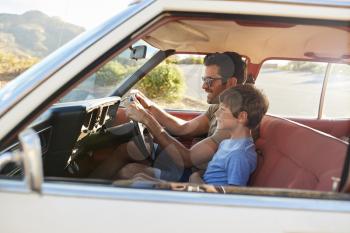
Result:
<point x="229" y="63"/>
<point x="248" y="99"/>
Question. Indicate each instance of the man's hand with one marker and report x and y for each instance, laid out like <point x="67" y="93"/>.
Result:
<point x="144" y="101"/>
<point x="136" y="112"/>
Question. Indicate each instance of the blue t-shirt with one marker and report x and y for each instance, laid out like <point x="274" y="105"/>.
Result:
<point x="232" y="163"/>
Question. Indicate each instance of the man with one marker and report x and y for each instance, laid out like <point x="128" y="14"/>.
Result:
<point x="222" y="71"/>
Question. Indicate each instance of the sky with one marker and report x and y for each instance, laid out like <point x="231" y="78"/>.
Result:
<point x="85" y="13"/>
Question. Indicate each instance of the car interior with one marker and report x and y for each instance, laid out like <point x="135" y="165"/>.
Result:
<point x="300" y="157"/>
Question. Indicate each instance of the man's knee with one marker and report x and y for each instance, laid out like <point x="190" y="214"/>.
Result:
<point x="134" y="152"/>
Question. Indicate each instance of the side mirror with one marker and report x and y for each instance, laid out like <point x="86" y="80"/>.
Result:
<point x="30" y="158"/>
<point x="138" y="52"/>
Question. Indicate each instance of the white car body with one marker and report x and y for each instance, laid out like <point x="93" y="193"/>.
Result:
<point x="69" y="207"/>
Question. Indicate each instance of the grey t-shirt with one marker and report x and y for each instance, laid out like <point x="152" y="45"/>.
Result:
<point x="210" y="113"/>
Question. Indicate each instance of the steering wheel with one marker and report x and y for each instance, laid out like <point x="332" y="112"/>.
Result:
<point x="141" y="136"/>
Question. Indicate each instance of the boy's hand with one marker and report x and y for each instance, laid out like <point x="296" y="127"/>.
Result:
<point x="146" y="177"/>
<point x="196" y="178"/>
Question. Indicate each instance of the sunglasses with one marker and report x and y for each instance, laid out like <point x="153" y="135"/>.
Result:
<point x="209" y="80"/>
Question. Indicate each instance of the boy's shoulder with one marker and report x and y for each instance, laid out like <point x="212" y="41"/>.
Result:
<point x="237" y="144"/>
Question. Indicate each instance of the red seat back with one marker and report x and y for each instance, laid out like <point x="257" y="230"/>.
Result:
<point x="296" y="156"/>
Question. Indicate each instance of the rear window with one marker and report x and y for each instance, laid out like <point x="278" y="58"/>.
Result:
<point x="294" y="88"/>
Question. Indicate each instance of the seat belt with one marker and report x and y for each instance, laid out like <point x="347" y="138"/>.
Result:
<point x="344" y="185"/>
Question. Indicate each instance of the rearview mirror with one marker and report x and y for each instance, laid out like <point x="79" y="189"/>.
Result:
<point x="138" y="52"/>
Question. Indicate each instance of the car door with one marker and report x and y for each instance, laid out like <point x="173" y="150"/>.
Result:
<point x="69" y="205"/>
<point x="89" y="208"/>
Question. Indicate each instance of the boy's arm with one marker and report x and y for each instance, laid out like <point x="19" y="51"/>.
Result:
<point x="145" y="177"/>
<point x="201" y="153"/>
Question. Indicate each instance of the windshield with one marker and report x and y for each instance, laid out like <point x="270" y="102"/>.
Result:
<point x="108" y="78"/>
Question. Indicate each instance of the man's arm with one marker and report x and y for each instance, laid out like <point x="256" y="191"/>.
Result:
<point x="174" y="125"/>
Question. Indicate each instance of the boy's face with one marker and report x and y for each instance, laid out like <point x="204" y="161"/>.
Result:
<point x="225" y="119"/>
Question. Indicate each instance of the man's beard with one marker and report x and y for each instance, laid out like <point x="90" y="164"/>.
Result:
<point x="214" y="100"/>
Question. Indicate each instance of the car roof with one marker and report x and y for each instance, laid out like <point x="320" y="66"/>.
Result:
<point x="255" y="39"/>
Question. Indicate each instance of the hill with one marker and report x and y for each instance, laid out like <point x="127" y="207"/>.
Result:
<point x="34" y="33"/>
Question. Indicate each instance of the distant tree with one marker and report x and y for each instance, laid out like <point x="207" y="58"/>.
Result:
<point x="172" y="60"/>
<point x="303" y="66"/>
<point x="191" y="60"/>
<point x="110" y="74"/>
<point x="165" y="82"/>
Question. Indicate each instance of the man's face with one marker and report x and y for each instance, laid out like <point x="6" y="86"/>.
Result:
<point x="216" y="87"/>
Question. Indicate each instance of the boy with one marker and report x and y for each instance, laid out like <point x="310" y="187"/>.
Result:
<point x="241" y="110"/>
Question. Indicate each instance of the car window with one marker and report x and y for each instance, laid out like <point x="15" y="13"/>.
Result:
<point x="176" y="83"/>
<point x="31" y="30"/>
<point x="337" y="96"/>
<point x="107" y="78"/>
<point x="293" y="87"/>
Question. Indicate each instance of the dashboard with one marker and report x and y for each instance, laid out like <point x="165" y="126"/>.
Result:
<point x="63" y="128"/>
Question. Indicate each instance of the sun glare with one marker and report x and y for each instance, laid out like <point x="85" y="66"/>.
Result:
<point x="83" y="13"/>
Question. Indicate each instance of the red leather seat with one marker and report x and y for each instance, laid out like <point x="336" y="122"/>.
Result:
<point x="296" y="156"/>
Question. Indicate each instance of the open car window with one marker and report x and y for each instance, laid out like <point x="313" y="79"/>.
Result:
<point x="293" y="87"/>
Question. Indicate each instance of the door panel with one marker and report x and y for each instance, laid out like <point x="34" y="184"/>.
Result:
<point x="185" y="115"/>
<point x="121" y="212"/>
